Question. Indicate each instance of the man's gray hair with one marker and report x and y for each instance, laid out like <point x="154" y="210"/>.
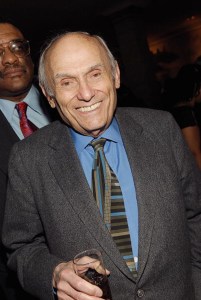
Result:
<point x="43" y="80"/>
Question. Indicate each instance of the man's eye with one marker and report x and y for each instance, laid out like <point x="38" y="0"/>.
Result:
<point x="96" y="74"/>
<point x="67" y="83"/>
<point x="17" y="48"/>
<point x="1" y="52"/>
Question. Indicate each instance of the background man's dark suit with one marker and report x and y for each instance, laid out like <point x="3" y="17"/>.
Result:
<point x="7" y="137"/>
<point x="57" y="216"/>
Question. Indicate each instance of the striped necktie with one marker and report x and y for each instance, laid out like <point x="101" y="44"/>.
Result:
<point x="26" y="126"/>
<point x="109" y="198"/>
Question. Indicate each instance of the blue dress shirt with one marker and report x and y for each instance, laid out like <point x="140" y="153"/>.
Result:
<point x="35" y="113"/>
<point x="117" y="159"/>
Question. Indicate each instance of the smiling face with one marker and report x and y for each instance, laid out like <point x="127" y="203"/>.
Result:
<point x="16" y="73"/>
<point x="80" y="75"/>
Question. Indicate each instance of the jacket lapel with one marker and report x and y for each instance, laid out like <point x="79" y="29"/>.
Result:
<point x="143" y="167"/>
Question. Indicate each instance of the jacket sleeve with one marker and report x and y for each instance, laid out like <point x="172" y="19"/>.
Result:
<point x="23" y="234"/>
<point x="190" y="177"/>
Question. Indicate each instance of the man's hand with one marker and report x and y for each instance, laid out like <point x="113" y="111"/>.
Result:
<point x="72" y="287"/>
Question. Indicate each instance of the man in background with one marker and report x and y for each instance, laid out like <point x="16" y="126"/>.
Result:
<point x="16" y="77"/>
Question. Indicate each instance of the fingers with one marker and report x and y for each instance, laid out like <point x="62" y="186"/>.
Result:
<point x="99" y="268"/>
<point x="71" y="286"/>
<point x="79" y="292"/>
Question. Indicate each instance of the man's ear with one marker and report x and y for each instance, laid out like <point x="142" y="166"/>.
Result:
<point x="117" y="76"/>
<point x="50" y="99"/>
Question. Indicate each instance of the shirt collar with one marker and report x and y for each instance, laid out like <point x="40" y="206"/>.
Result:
<point x="112" y="133"/>
<point x="7" y="107"/>
<point x="33" y="100"/>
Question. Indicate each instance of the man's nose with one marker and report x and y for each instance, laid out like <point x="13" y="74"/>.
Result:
<point x="8" y="57"/>
<point x="85" y="91"/>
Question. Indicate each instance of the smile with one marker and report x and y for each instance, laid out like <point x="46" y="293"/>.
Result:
<point x="89" y="108"/>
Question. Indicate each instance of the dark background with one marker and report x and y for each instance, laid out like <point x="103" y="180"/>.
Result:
<point x="42" y="18"/>
<point x="124" y="24"/>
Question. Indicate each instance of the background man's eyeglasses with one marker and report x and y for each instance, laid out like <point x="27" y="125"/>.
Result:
<point x="19" y="48"/>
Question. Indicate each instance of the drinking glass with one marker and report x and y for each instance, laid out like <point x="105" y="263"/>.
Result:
<point x="89" y="265"/>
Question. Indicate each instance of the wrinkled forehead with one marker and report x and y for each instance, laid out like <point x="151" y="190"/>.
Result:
<point x="75" y="48"/>
<point x="74" y="42"/>
<point x="8" y="32"/>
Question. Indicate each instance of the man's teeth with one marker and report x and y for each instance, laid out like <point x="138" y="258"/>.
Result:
<point x="89" y="108"/>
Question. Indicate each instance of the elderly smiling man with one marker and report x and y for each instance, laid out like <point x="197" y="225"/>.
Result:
<point x="132" y="160"/>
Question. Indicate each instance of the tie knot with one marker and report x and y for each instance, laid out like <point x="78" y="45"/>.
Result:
<point x="98" y="144"/>
<point x="21" y="107"/>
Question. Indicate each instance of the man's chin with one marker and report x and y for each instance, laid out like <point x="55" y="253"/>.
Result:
<point x="96" y="132"/>
<point x="16" y="91"/>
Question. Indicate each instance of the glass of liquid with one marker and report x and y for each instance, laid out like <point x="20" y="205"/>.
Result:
<point x="89" y="265"/>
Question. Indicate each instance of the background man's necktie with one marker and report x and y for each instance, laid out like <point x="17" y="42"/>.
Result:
<point x="27" y="127"/>
<point x="109" y="198"/>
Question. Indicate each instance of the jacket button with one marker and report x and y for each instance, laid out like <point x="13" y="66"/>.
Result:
<point x="140" y="293"/>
